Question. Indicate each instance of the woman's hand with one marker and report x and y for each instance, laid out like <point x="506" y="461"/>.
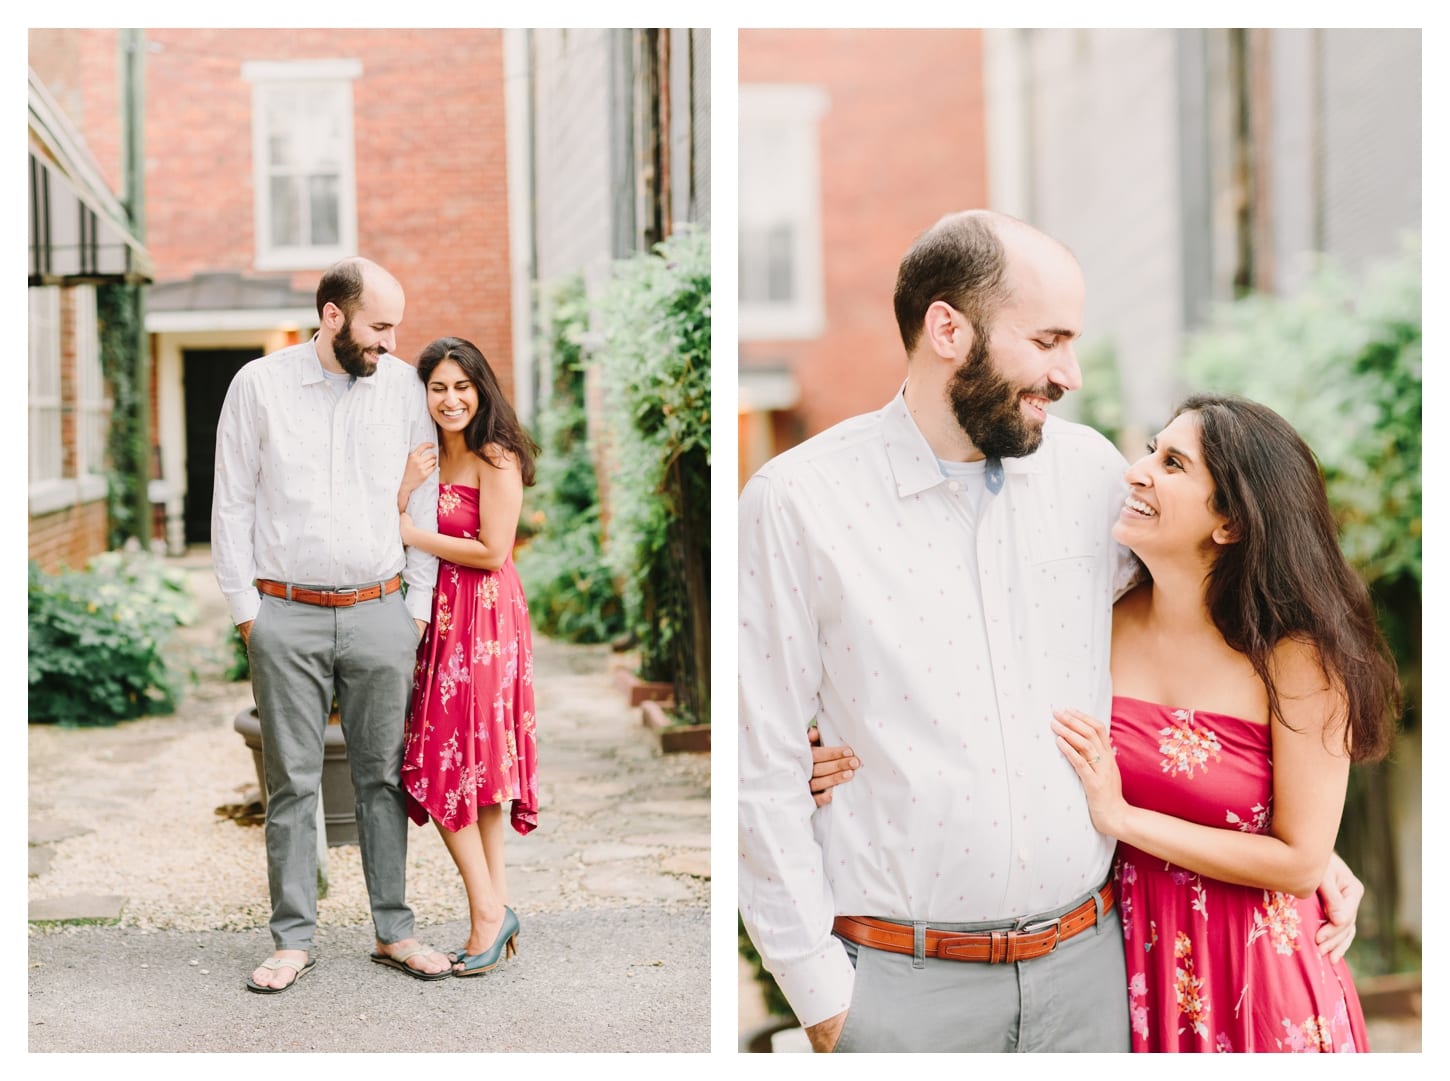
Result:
<point x="1083" y="740"/>
<point x="1341" y="893"/>
<point x="422" y="460"/>
<point x="830" y="766"/>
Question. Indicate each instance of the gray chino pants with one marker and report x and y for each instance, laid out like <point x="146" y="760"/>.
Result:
<point x="1074" y="999"/>
<point x="299" y="654"/>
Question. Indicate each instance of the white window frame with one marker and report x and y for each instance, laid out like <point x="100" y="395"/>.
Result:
<point x="47" y="451"/>
<point x="321" y="77"/>
<point x="49" y="488"/>
<point x="780" y="184"/>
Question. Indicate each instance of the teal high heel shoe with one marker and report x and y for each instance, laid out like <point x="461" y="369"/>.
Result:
<point x="476" y="964"/>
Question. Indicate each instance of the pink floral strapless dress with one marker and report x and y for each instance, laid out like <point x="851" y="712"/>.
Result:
<point x="469" y="738"/>
<point x="1214" y="966"/>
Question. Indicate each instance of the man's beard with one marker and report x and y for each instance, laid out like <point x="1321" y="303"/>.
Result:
<point x="354" y="359"/>
<point x="989" y="409"/>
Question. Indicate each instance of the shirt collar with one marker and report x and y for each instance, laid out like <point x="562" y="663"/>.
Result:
<point x="312" y="367"/>
<point x="913" y="462"/>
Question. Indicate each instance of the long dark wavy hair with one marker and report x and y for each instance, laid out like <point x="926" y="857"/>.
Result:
<point x="495" y="423"/>
<point x="1285" y="576"/>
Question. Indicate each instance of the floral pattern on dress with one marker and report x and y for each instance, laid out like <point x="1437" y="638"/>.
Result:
<point x="1278" y="919"/>
<point x="488" y="592"/>
<point x="442" y="614"/>
<point x="1214" y="966"/>
<point x="1256" y="822"/>
<point x="1192" y="1005"/>
<point x="470" y="736"/>
<point x="1138" y="1004"/>
<point x="1186" y="747"/>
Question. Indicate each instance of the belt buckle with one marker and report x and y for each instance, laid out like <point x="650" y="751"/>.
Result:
<point x="344" y="604"/>
<point x="1055" y="925"/>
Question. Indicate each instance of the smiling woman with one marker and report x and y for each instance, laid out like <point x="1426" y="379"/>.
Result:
<point x="470" y="732"/>
<point x="1247" y="674"/>
<point x="1171" y="504"/>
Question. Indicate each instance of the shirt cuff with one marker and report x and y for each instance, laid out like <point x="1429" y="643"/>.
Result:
<point x="420" y="604"/>
<point x="818" y="986"/>
<point x="244" y="606"/>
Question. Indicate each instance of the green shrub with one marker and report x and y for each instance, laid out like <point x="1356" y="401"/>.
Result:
<point x="655" y="360"/>
<point x="98" y="640"/>
<point x="570" y="588"/>
<point x="240" y="667"/>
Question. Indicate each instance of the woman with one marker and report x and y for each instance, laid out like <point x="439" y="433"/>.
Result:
<point x="469" y="744"/>
<point x="1248" y="671"/>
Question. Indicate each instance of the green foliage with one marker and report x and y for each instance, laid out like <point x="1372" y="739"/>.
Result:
<point x="1100" y="401"/>
<point x="118" y="318"/>
<point x="1342" y="362"/>
<point x="98" y="640"/>
<point x="655" y="361"/>
<point x="240" y="667"/>
<point x="570" y="589"/>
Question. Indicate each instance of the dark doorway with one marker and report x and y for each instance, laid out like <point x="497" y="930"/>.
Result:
<point x="205" y="376"/>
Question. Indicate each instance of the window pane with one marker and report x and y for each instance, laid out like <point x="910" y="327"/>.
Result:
<point x="286" y="211"/>
<point x="780" y="270"/>
<point x="283" y="110"/>
<point x="324" y="133"/>
<point x="754" y="282"/>
<point x="325" y="211"/>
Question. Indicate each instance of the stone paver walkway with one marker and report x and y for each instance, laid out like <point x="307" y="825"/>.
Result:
<point x="126" y="830"/>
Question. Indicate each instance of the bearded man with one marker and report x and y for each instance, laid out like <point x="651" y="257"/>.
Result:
<point x="311" y="446"/>
<point x="926" y="582"/>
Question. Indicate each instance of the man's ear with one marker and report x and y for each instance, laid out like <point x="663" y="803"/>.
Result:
<point x="947" y="331"/>
<point x="332" y="315"/>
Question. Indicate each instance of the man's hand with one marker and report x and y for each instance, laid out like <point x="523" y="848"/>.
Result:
<point x="824" y="1036"/>
<point x="245" y="629"/>
<point x="1341" y="893"/>
<point x="830" y="766"/>
<point x="422" y="627"/>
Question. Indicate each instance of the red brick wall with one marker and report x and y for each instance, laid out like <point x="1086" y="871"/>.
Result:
<point x="902" y="143"/>
<point x="68" y="537"/>
<point x="429" y="148"/>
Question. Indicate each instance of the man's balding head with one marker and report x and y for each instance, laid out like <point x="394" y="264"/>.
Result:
<point x="965" y="259"/>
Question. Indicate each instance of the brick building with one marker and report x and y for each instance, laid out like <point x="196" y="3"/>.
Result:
<point x="268" y="155"/>
<point x="851" y="143"/>
<point x="80" y="240"/>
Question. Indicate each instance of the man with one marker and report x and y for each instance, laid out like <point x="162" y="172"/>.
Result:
<point x="927" y="582"/>
<point x="311" y="446"/>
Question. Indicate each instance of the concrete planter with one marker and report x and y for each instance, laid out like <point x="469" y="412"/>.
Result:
<point x="637" y="691"/>
<point x="339" y="803"/>
<point x="655" y="714"/>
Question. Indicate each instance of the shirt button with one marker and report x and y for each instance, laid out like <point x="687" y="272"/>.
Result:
<point x="954" y="485"/>
<point x="1022" y="855"/>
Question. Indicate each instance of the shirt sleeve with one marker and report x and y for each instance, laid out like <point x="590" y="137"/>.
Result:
<point x="420" y="569"/>
<point x="786" y="903"/>
<point x="234" y="498"/>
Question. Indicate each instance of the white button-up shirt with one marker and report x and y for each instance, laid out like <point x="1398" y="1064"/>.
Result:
<point x="934" y="638"/>
<point x="307" y="483"/>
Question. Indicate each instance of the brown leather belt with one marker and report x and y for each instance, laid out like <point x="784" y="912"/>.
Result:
<point x="994" y="947"/>
<point x="330" y="598"/>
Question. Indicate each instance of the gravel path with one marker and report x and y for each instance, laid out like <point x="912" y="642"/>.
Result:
<point x="140" y="812"/>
